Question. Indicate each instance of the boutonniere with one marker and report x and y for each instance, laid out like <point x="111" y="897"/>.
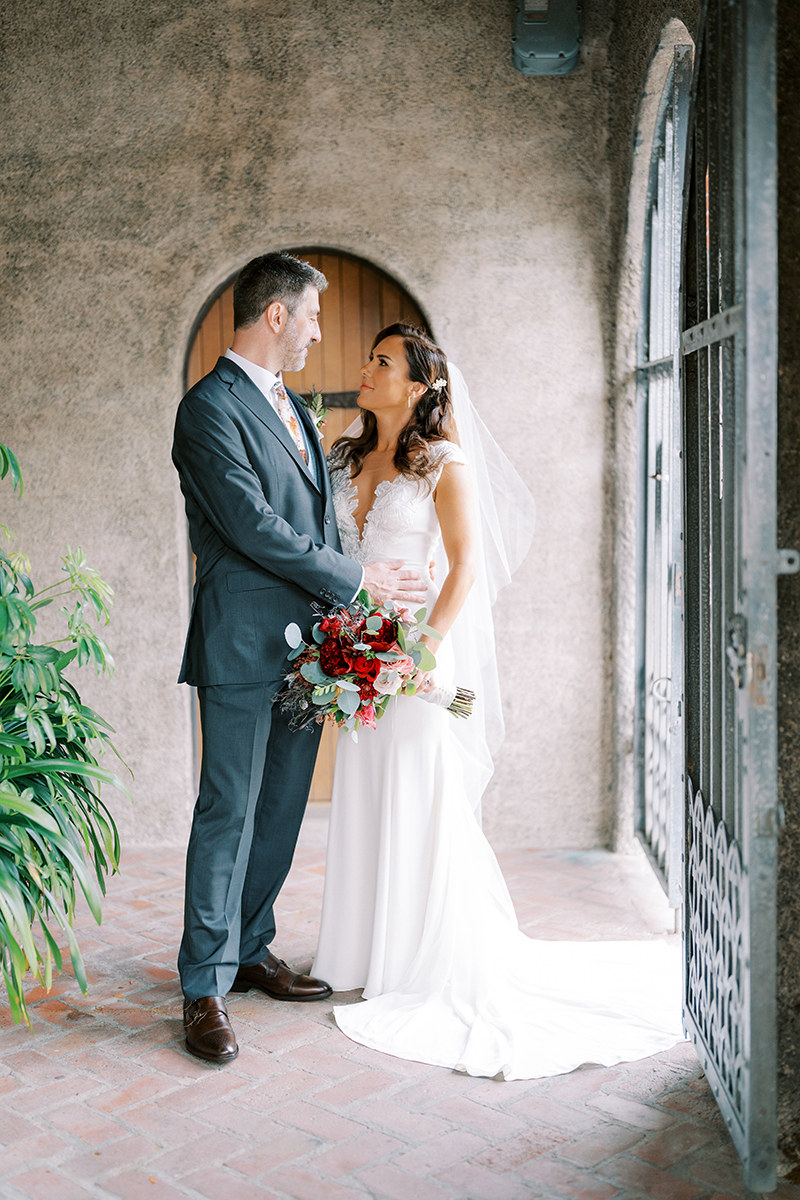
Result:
<point x="316" y="409"/>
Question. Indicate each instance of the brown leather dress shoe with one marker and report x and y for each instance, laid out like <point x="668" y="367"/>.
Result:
<point x="208" y="1031"/>
<point x="278" y="981"/>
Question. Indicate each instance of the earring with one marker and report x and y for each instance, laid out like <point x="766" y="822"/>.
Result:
<point x="409" y="399"/>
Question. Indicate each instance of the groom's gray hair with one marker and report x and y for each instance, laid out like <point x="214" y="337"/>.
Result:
<point x="270" y="277"/>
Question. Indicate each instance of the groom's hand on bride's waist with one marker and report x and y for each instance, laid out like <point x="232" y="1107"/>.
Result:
<point x="394" y="581"/>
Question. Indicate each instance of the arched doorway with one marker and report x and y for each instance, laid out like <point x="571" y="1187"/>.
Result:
<point x="360" y="300"/>
<point x="659" y="727"/>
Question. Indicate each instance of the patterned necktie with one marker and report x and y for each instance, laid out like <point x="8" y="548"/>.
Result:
<point x="284" y="409"/>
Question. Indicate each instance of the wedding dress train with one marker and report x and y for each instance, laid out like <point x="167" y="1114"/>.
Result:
<point x="416" y="911"/>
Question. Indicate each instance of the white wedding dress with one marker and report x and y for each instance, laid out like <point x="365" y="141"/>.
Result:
<point x="416" y="911"/>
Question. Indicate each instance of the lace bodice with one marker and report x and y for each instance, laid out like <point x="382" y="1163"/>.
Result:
<point x="402" y="522"/>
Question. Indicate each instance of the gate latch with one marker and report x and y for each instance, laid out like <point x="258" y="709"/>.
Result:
<point x="737" y="648"/>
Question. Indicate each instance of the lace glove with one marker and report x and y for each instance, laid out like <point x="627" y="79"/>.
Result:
<point x="443" y="694"/>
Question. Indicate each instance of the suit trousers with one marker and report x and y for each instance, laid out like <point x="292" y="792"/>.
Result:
<point x="254" y="784"/>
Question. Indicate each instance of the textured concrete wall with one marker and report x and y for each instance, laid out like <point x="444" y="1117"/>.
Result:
<point x="149" y="149"/>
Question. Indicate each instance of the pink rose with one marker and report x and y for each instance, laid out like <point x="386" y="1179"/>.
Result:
<point x="388" y="682"/>
<point x="405" y="665"/>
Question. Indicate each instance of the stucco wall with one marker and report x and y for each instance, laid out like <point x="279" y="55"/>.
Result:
<point x="151" y="148"/>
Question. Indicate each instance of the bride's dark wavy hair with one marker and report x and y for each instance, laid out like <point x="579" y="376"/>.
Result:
<point x="430" y="422"/>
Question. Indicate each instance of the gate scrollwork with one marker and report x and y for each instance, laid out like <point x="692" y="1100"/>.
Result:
<point x="716" y="946"/>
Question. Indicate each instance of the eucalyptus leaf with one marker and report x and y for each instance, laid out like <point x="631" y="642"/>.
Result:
<point x="293" y="635"/>
<point x="312" y="672"/>
<point x="423" y="657"/>
<point x="349" y="702"/>
<point x="374" y="624"/>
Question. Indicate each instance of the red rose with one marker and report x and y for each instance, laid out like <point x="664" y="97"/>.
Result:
<point x="367" y="693"/>
<point x="384" y="638"/>
<point x="332" y="658"/>
<point x="367" y="668"/>
<point x="330" y="625"/>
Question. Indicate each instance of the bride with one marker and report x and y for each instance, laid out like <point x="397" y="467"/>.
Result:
<point x="415" y="910"/>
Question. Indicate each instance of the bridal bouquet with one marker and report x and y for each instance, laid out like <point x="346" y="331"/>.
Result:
<point x="360" y="656"/>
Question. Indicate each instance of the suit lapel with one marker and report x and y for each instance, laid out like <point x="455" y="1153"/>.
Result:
<point x="246" y="392"/>
<point x="313" y="441"/>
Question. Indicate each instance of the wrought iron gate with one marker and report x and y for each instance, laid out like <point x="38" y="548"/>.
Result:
<point x="729" y="345"/>
<point x="659" y="730"/>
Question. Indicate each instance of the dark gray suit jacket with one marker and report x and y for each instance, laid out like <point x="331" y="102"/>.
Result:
<point x="263" y="532"/>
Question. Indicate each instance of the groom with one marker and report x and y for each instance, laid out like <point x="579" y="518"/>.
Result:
<point x="263" y="530"/>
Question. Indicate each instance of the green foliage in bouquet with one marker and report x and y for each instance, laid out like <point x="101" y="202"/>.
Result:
<point x="57" y="838"/>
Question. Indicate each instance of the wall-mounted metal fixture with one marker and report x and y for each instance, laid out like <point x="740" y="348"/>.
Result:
<point x="547" y="36"/>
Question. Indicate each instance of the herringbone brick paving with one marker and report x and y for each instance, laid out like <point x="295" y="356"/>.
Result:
<point x="102" y="1101"/>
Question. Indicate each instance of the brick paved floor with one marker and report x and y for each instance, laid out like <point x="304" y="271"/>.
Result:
<point x="101" y="1100"/>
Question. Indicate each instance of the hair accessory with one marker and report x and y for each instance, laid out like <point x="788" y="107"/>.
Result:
<point x="438" y="384"/>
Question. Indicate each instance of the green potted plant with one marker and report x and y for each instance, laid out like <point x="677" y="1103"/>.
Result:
<point x="57" y="837"/>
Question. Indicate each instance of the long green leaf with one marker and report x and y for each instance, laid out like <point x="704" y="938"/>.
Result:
<point x="16" y="918"/>
<point x="77" y="959"/>
<point x="54" y="950"/>
<point x="58" y="839"/>
<point x="16" y="1000"/>
<point x="69" y="766"/>
<point x="10" y="466"/>
<point x="27" y="815"/>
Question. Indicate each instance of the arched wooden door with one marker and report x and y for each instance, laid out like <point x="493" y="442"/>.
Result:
<point x="360" y="300"/>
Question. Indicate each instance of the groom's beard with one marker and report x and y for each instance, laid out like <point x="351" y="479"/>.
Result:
<point x="293" y="349"/>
